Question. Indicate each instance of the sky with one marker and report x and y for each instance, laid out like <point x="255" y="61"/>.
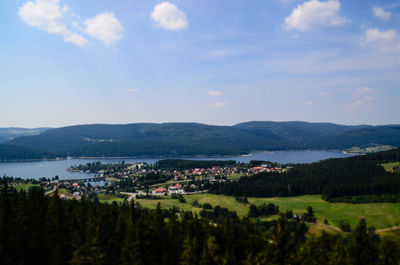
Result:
<point x="67" y="62"/>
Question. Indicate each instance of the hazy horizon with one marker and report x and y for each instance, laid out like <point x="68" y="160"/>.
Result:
<point x="326" y="122"/>
<point x="68" y="62"/>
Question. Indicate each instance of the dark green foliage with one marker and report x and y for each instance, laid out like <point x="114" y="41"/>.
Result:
<point x="241" y="199"/>
<point x="309" y="216"/>
<point x="345" y="226"/>
<point x="263" y="210"/>
<point x="207" y="206"/>
<point x="193" y="139"/>
<point x="152" y="178"/>
<point x="218" y="214"/>
<point x="361" y="178"/>
<point x="180" y="164"/>
<point x="179" y="197"/>
<point x="16" y="153"/>
<point x="7" y="134"/>
<point x="375" y="198"/>
<point x="97" y="166"/>
<point x="35" y="229"/>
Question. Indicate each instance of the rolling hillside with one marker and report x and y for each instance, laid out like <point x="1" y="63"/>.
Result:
<point x="193" y="139"/>
<point x="7" y="134"/>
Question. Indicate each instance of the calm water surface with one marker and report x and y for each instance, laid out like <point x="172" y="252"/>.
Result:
<point x="50" y="169"/>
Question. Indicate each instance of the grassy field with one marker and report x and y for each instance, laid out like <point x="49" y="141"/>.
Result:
<point x="235" y="176"/>
<point x="390" y="166"/>
<point x="64" y="192"/>
<point x="393" y="235"/>
<point x="109" y="198"/>
<point x="379" y="215"/>
<point x="25" y="187"/>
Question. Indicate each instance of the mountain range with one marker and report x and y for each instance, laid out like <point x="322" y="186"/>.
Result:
<point x="192" y="139"/>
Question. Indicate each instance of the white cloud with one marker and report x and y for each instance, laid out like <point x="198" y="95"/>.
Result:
<point x="220" y="104"/>
<point x="315" y="14"/>
<point x="224" y="53"/>
<point x="374" y="35"/>
<point x="168" y="16"/>
<point x="47" y="15"/>
<point x="383" y="40"/>
<point x="361" y="98"/>
<point x="215" y="93"/>
<point x="105" y="27"/>
<point x="75" y="39"/>
<point x="65" y="9"/>
<point x="381" y="13"/>
<point x="133" y="90"/>
<point x="362" y="90"/>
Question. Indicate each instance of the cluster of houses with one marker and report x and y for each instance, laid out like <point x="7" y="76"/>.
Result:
<point x="173" y="189"/>
<point x="267" y="168"/>
<point x="190" y="180"/>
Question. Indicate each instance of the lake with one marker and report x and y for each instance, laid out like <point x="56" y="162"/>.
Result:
<point x="53" y="168"/>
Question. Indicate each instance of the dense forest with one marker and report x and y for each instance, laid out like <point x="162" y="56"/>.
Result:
<point x="98" y="166"/>
<point x="11" y="153"/>
<point x="354" y="179"/>
<point x="193" y="139"/>
<point x="36" y="229"/>
<point x="7" y="134"/>
<point x="180" y="164"/>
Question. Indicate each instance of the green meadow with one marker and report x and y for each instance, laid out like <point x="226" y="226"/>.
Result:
<point x="379" y="215"/>
<point x="25" y="187"/>
<point x="109" y="198"/>
<point x="390" y="166"/>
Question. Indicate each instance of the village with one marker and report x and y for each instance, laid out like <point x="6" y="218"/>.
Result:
<point x="142" y="179"/>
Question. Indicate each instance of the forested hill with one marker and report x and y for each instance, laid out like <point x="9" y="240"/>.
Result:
<point x="7" y="134"/>
<point x="193" y="139"/>
<point x="355" y="179"/>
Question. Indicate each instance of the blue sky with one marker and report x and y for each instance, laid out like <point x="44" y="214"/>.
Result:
<point x="66" y="62"/>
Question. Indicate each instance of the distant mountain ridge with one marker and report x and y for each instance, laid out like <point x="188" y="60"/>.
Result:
<point x="194" y="139"/>
<point x="7" y="134"/>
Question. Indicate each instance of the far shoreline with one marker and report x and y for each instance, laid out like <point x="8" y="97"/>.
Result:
<point x="345" y="152"/>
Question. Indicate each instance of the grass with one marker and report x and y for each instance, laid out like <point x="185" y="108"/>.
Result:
<point x="318" y="228"/>
<point x="379" y="215"/>
<point x="214" y="200"/>
<point x="25" y="187"/>
<point x="235" y="176"/>
<point x="109" y="198"/>
<point x="393" y="235"/>
<point x="64" y="192"/>
<point x="390" y="166"/>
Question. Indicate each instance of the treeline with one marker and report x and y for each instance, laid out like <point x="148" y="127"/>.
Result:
<point x="181" y="164"/>
<point x="35" y="229"/>
<point x="20" y="153"/>
<point x="98" y="166"/>
<point x="191" y="139"/>
<point x="152" y="178"/>
<point x="263" y="210"/>
<point x="333" y="178"/>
